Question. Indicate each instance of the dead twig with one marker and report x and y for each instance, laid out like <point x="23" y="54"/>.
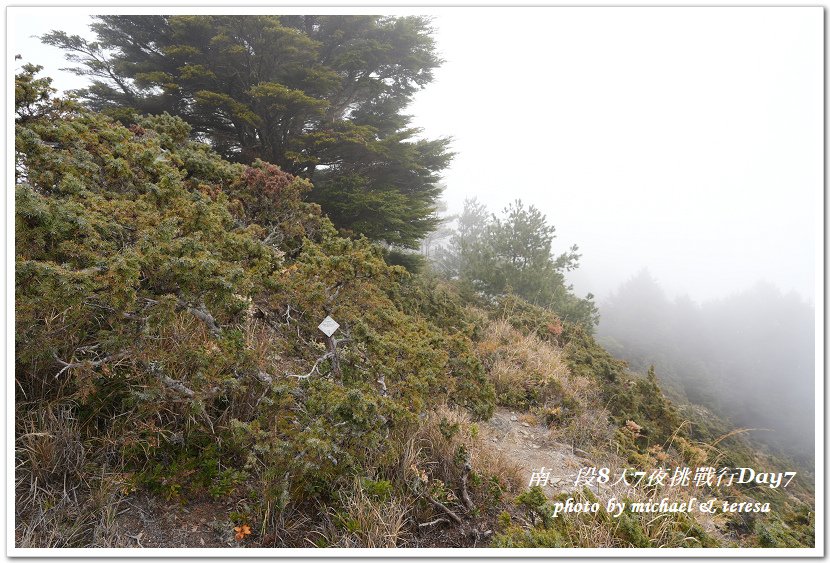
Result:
<point x="465" y="496"/>
<point x="433" y="522"/>
<point x="200" y="312"/>
<point x="315" y="368"/>
<point x="331" y="295"/>
<point x="91" y="363"/>
<point x="171" y="383"/>
<point x="331" y="354"/>
<point x="455" y="517"/>
<point x="137" y="538"/>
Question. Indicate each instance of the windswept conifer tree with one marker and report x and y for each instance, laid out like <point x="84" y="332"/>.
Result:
<point x="322" y="97"/>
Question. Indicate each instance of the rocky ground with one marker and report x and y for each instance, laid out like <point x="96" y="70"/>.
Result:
<point x="146" y="522"/>
<point x="529" y="444"/>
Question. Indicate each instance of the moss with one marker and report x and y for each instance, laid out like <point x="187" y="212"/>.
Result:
<point x="516" y="536"/>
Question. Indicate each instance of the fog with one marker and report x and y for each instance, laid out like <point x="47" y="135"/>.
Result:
<point x="688" y="141"/>
<point x="685" y="140"/>
<point x="748" y="357"/>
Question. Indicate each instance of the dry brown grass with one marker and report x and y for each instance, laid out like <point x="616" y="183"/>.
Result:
<point x="514" y="359"/>
<point x="531" y="419"/>
<point x="59" y="502"/>
<point x="49" y="446"/>
<point x="595" y="534"/>
<point x="587" y="426"/>
<point x="446" y="435"/>
<point x="570" y="404"/>
<point x="363" y="521"/>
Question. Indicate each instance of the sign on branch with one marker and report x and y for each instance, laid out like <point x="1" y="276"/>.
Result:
<point x="329" y="326"/>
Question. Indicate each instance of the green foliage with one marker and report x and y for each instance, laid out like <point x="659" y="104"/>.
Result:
<point x="319" y="96"/>
<point x="627" y="396"/>
<point x="518" y="537"/>
<point x="167" y="303"/>
<point x="797" y="531"/>
<point x="410" y="260"/>
<point x="536" y="504"/>
<point x="378" y="490"/>
<point x="437" y="300"/>
<point x="32" y="96"/>
<point x="513" y="254"/>
<point x="184" y="473"/>
<point x="527" y="318"/>
<point x="166" y="296"/>
<point x="588" y="358"/>
<point x="626" y="530"/>
<point x="504" y="520"/>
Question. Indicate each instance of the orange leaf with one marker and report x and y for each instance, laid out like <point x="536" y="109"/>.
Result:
<point x="242" y="531"/>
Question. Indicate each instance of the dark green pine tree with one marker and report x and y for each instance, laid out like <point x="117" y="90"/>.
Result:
<point x="320" y="96"/>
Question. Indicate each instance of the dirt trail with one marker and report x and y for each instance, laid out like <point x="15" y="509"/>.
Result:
<point x="529" y="444"/>
<point x="145" y="521"/>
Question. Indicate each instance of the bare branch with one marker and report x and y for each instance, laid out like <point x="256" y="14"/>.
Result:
<point x="331" y="354"/>
<point x="455" y="517"/>
<point x="332" y="292"/>
<point x="433" y="522"/>
<point x="315" y="367"/>
<point x="275" y="236"/>
<point x="177" y="386"/>
<point x="89" y="363"/>
<point x="201" y="313"/>
<point x="464" y="494"/>
<point x="173" y="384"/>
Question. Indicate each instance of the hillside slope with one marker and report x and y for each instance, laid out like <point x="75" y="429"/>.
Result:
<point x="167" y="352"/>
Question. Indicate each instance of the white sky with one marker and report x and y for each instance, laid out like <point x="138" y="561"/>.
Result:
<point x="687" y="140"/>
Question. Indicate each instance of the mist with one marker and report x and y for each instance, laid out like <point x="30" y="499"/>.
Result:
<point x="415" y="282"/>
<point x="687" y="140"/>
<point x="749" y="357"/>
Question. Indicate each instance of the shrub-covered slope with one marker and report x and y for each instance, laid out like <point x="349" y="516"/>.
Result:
<point x="167" y="304"/>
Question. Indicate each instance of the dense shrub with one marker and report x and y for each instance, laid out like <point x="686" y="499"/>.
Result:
<point x="168" y="300"/>
<point x="167" y="304"/>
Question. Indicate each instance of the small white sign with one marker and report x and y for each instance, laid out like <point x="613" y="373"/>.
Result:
<point x="328" y="326"/>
